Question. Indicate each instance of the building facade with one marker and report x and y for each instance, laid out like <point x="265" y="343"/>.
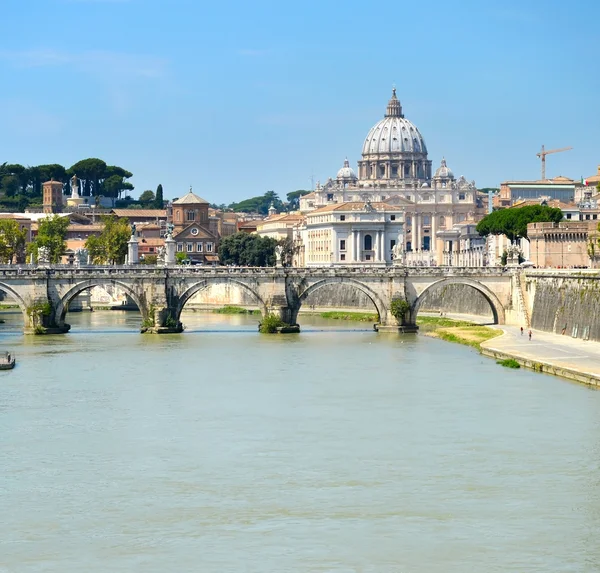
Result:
<point x="395" y="169"/>
<point x="352" y="233"/>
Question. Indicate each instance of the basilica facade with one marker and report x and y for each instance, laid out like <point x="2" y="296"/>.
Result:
<point x="395" y="171"/>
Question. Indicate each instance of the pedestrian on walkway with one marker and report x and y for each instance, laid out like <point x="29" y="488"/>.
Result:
<point x="521" y="331"/>
<point x="530" y="335"/>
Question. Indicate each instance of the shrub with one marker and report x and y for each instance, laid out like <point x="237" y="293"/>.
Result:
<point x="509" y="363"/>
<point x="270" y="324"/>
<point x="399" y="308"/>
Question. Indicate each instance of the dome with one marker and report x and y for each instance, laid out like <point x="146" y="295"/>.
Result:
<point x="443" y="171"/>
<point x="394" y="133"/>
<point x="346" y="172"/>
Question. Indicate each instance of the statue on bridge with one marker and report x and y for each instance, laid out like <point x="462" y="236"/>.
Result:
<point x="133" y="227"/>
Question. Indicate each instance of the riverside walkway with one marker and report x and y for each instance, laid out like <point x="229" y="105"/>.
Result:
<point x="557" y="354"/>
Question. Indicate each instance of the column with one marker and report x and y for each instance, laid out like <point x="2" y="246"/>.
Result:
<point x="433" y="240"/>
<point x="417" y="231"/>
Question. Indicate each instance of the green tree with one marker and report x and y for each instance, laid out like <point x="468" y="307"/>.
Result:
<point x="258" y="204"/>
<point x="52" y="232"/>
<point x="110" y="247"/>
<point x="294" y="199"/>
<point x="12" y="241"/>
<point x="513" y="222"/>
<point x="159" y="202"/>
<point x="147" y="197"/>
<point x="91" y="172"/>
<point x="180" y="257"/>
<point x="244" y="249"/>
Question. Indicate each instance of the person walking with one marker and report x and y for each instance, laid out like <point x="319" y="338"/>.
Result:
<point x="521" y="331"/>
<point x="530" y="335"/>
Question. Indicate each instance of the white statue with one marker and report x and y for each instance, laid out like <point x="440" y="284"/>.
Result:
<point x="82" y="257"/>
<point x="160" y="255"/>
<point x="43" y="256"/>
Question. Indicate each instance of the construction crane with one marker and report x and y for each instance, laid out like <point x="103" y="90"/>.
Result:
<point x="542" y="155"/>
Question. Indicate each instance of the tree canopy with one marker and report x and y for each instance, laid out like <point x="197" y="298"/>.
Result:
<point x="12" y="241"/>
<point x="147" y="198"/>
<point x="258" y="204"/>
<point x="294" y="199"/>
<point x="159" y="202"/>
<point x="513" y="222"/>
<point x="244" y="249"/>
<point x="21" y="187"/>
<point x="110" y="247"/>
<point x="52" y="232"/>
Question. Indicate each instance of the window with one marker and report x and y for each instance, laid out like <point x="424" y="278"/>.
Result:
<point x="329" y="196"/>
<point x="408" y="221"/>
<point x="209" y="247"/>
<point x="342" y="217"/>
<point x="342" y="257"/>
<point x="178" y="215"/>
<point x="191" y="215"/>
<point x="409" y="246"/>
<point x="180" y="247"/>
<point x="392" y="244"/>
<point x="392" y="217"/>
<point x="199" y="247"/>
<point x="151" y="249"/>
<point x="426" y="243"/>
<point x="367" y="257"/>
<point x="461" y="196"/>
<point x="194" y="231"/>
<point x="394" y="171"/>
<point x="426" y="220"/>
<point x="568" y="215"/>
<point x="442" y="221"/>
<point x="343" y="245"/>
<point x="368" y="242"/>
<point x="190" y="247"/>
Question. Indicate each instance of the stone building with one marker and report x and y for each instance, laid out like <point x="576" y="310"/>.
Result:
<point x="192" y="232"/>
<point x="561" y="245"/>
<point x="52" y="196"/>
<point x="352" y="233"/>
<point x="395" y="169"/>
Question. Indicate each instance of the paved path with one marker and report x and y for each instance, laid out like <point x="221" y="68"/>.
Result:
<point x="557" y="350"/>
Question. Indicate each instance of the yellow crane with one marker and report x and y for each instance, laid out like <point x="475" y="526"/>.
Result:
<point x="542" y="155"/>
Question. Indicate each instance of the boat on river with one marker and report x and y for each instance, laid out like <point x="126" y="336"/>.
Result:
<point x="7" y="360"/>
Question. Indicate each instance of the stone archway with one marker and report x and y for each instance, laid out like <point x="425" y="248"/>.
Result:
<point x="381" y="308"/>
<point x="63" y="304"/>
<point x="496" y="306"/>
<point x="22" y="305"/>
<point x="207" y="283"/>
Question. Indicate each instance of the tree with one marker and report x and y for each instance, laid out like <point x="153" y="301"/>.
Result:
<point x="12" y="241"/>
<point x="243" y="249"/>
<point x="110" y="247"/>
<point x="147" y="197"/>
<point x="52" y="232"/>
<point x="91" y="172"/>
<point x="258" y="204"/>
<point x="513" y="222"/>
<point x="159" y="202"/>
<point x="294" y="199"/>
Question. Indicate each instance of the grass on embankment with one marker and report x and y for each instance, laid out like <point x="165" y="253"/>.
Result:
<point x="509" y="363"/>
<point x="357" y="316"/>
<point x="460" y="331"/>
<point x="230" y="309"/>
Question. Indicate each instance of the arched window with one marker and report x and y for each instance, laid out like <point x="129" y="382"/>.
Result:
<point x="426" y="220"/>
<point x="368" y="243"/>
<point x="442" y="221"/>
<point x="408" y="221"/>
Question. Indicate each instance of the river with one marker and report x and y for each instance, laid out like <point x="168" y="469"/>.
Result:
<point x="336" y="450"/>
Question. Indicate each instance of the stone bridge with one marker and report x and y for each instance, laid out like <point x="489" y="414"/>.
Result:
<point x="44" y="293"/>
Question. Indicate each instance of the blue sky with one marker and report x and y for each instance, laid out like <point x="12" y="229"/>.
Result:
<point x="237" y="98"/>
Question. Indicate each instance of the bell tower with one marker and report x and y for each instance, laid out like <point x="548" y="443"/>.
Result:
<point x="52" y="196"/>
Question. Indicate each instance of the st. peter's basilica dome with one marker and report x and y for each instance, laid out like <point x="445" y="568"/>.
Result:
<point x="394" y="133"/>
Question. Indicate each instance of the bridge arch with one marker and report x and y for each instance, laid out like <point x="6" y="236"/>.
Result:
<point x="372" y="295"/>
<point x="63" y="305"/>
<point x="496" y="306"/>
<point x="18" y="299"/>
<point x="207" y="283"/>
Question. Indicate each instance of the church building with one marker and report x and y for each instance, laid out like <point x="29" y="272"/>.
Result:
<point x="395" y="170"/>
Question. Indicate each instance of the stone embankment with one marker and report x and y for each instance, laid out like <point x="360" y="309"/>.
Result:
<point x="560" y="355"/>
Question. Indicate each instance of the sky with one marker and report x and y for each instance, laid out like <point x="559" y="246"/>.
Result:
<point x="235" y="98"/>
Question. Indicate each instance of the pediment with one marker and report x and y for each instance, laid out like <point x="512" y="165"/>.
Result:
<point x="195" y="231"/>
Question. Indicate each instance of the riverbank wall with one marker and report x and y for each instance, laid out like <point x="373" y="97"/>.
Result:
<point x="565" y="302"/>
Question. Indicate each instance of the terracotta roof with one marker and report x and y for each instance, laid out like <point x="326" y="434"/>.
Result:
<point x="151" y="241"/>
<point x="76" y="227"/>
<point x="189" y="199"/>
<point x="158" y="213"/>
<point x="378" y="206"/>
<point x="309" y="196"/>
<point x="554" y="203"/>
